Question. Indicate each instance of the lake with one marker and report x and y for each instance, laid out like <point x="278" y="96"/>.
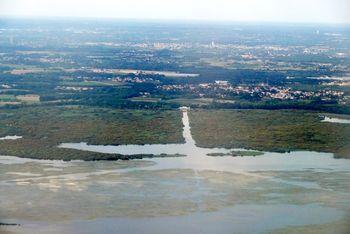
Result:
<point x="282" y="193"/>
<point x="336" y="120"/>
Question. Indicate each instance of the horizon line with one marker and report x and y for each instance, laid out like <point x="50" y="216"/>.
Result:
<point x="171" y="20"/>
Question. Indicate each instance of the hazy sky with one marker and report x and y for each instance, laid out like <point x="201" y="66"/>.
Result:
<point x="322" y="11"/>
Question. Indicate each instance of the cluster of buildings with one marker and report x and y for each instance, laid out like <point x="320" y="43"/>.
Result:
<point x="74" y="88"/>
<point x="224" y="89"/>
<point x="132" y="79"/>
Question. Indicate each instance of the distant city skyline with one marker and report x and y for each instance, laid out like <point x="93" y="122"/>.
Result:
<point x="298" y="11"/>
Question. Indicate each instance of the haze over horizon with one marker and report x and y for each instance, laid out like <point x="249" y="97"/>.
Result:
<point x="291" y="11"/>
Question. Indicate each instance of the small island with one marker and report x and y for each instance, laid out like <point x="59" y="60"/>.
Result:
<point x="237" y="153"/>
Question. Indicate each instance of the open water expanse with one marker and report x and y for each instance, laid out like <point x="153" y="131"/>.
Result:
<point x="298" y="192"/>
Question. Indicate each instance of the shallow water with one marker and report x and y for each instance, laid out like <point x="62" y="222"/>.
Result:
<point x="194" y="194"/>
<point x="336" y="120"/>
<point x="10" y="138"/>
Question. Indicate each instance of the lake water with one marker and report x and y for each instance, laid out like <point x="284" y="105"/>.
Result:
<point x="10" y="138"/>
<point x="282" y="193"/>
<point x="336" y="120"/>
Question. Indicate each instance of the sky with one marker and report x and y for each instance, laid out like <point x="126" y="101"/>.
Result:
<point x="299" y="11"/>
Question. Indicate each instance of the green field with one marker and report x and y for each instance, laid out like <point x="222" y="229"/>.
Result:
<point x="278" y="131"/>
<point x="200" y="102"/>
<point x="89" y="83"/>
<point x="145" y="99"/>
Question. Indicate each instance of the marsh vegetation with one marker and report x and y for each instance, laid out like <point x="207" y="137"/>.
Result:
<point x="267" y="130"/>
<point x="44" y="128"/>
